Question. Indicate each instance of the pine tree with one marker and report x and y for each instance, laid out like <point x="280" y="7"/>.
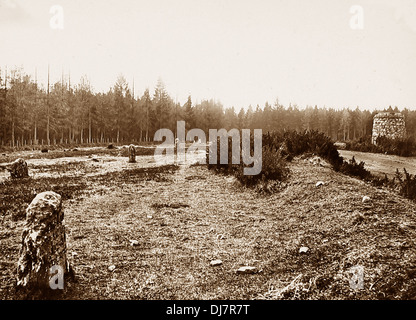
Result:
<point x="189" y="114"/>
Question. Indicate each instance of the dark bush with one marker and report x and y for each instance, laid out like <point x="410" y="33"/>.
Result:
<point x="280" y="147"/>
<point x="274" y="168"/>
<point x="293" y="143"/>
<point x="407" y="184"/>
<point x="362" y="144"/>
<point x="400" y="147"/>
<point x="353" y="168"/>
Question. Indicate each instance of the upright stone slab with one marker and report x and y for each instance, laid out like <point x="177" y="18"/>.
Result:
<point x="132" y="154"/>
<point x="43" y="242"/>
<point x="18" y="169"/>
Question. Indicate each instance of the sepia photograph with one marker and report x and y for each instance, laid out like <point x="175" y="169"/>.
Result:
<point x="207" y="154"/>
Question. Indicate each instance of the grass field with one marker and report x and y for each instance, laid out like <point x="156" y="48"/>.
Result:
<point x="183" y="217"/>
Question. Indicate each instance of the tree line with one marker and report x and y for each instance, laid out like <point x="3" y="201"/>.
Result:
<point x="64" y="112"/>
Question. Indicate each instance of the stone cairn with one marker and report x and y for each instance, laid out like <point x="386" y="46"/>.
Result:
<point x="390" y="125"/>
<point x="18" y="169"/>
<point x="43" y="243"/>
<point x="132" y="154"/>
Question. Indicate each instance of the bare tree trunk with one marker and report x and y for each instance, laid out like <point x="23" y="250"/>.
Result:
<point x="147" y="122"/>
<point x="48" y="115"/>
<point x="12" y="131"/>
<point x="35" y="135"/>
<point x="89" y="129"/>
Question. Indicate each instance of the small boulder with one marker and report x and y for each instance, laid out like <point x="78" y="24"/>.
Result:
<point x="357" y="217"/>
<point x="215" y="263"/>
<point x="247" y="270"/>
<point x="111" y="268"/>
<point x="18" y="169"/>
<point x="303" y="249"/>
<point x="134" y="243"/>
<point x="366" y="199"/>
<point x="319" y="183"/>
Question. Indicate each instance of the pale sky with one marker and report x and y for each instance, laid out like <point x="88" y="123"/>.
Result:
<point x="239" y="52"/>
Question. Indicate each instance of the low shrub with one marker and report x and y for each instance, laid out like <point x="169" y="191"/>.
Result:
<point x="353" y="168"/>
<point x="274" y="168"/>
<point x="296" y="143"/>
<point x="407" y="184"/>
<point x="400" y="147"/>
<point x="280" y="147"/>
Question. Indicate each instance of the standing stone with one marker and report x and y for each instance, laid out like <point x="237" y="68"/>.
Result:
<point x="18" y="169"/>
<point x="132" y="154"/>
<point x="43" y="242"/>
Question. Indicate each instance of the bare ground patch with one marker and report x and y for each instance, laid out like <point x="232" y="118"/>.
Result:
<point x="183" y="218"/>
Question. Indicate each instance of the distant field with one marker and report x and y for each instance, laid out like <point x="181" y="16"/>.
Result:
<point x="379" y="164"/>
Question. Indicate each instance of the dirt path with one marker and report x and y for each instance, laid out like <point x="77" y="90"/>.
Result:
<point x="381" y="163"/>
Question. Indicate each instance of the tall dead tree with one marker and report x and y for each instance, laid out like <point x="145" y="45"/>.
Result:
<point x="48" y="113"/>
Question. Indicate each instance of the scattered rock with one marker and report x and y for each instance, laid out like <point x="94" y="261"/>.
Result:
<point x="134" y="243"/>
<point x="366" y="199"/>
<point x="357" y="217"/>
<point x="215" y="263"/>
<point x="303" y="249"/>
<point x="247" y="270"/>
<point x="111" y="268"/>
<point x="319" y="183"/>
<point x="18" y="169"/>
<point x="340" y="145"/>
